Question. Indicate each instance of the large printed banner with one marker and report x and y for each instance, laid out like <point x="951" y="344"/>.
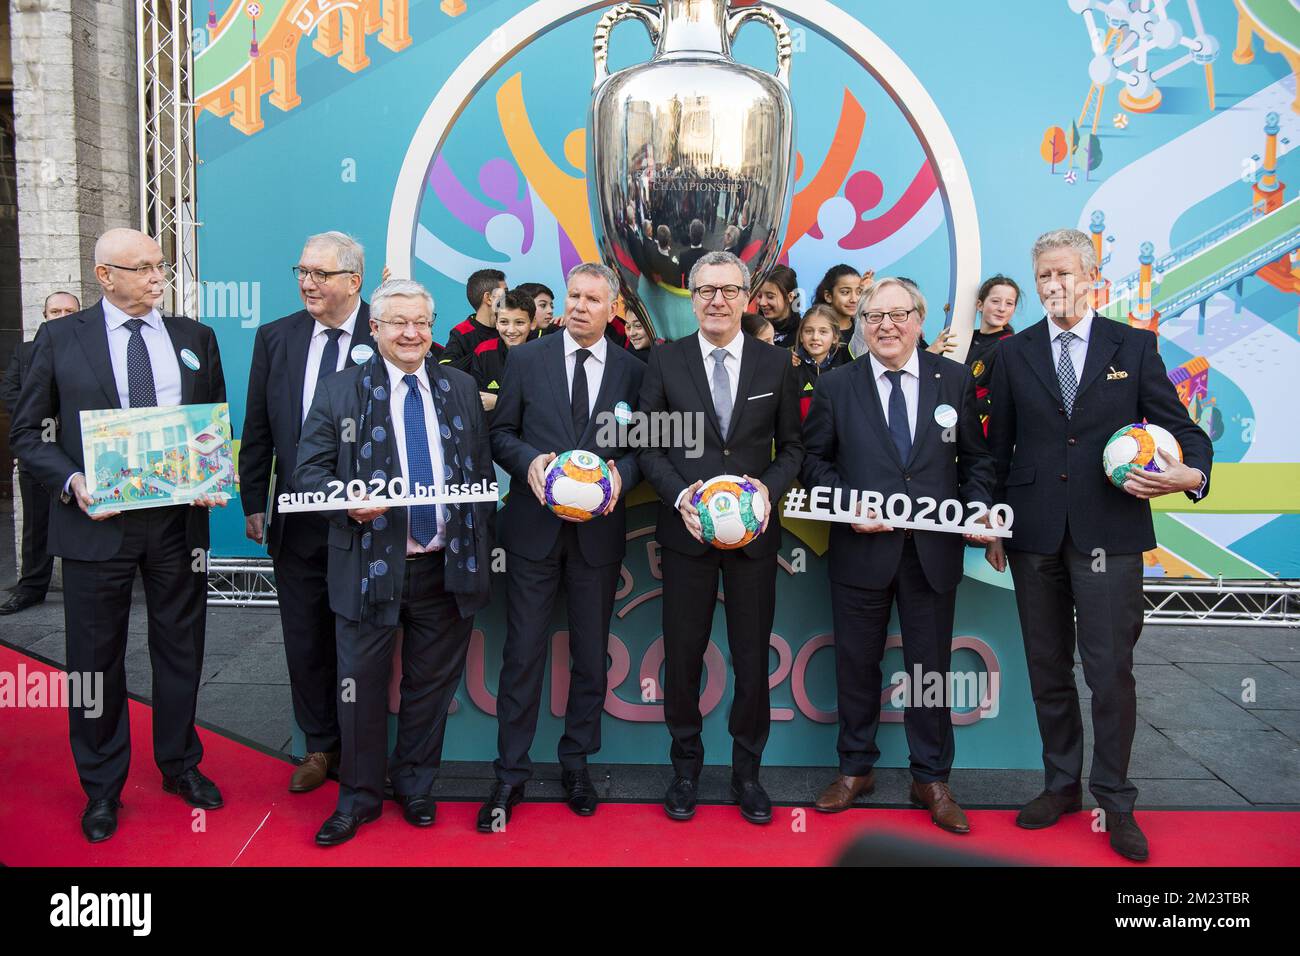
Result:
<point x="935" y="140"/>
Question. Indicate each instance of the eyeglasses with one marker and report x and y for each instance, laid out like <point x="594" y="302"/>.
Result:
<point x="319" y="276"/>
<point x="897" y="316"/>
<point x="418" y="324"/>
<point x="707" y="292"/>
<point x="164" y="269"/>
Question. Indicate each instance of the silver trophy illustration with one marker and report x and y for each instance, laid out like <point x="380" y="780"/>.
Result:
<point x="688" y="153"/>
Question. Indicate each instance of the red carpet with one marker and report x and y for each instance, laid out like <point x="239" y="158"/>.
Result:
<point x="264" y="825"/>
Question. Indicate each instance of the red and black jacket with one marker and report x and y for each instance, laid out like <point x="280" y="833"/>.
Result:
<point x="807" y="372"/>
<point x="979" y="359"/>
<point x="462" y="342"/>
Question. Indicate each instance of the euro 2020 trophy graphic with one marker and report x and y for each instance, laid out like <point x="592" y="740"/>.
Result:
<point x="689" y="153"/>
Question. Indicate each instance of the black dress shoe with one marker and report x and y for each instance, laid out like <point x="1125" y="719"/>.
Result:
<point x="20" y="602"/>
<point x="582" y="795"/>
<point x="1046" y="808"/>
<point x="1126" y="837"/>
<point x="196" y="789"/>
<point x="680" y="800"/>
<point x="418" y="809"/>
<point x="754" y="803"/>
<point x="495" y="813"/>
<point x="342" y="827"/>
<point x="99" y="819"/>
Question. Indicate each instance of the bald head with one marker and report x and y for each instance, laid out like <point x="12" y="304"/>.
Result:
<point x="131" y="269"/>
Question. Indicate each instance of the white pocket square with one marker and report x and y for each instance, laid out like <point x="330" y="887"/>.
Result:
<point x="764" y="395"/>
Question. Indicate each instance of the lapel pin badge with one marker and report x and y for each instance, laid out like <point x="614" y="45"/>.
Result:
<point x="1112" y="375"/>
<point x="190" y="359"/>
<point x="361" y="354"/>
<point x="945" y="416"/>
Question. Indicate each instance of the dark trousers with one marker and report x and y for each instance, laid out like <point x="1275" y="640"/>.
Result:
<point x="434" y="641"/>
<point x="1065" y="598"/>
<point x="309" y="644"/>
<point x="690" y="593"/>
<point x="38" y="564"/>
<point x="589" y="600"/>
<point x="861" y="619"/>
<point x="97" y="609"/>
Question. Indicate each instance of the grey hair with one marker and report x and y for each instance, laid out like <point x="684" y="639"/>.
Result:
<point x="351" y="256"/>
<point x="893" y="282"/>
<point x="719" y="258"/>
<point x="398" y="288"/>
<point x="599" y="271"/>
<point x="1066" y="239"/>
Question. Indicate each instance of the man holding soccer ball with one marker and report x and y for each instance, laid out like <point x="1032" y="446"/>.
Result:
<point x="746" y="392"/>
<point x="1061" y="389"/>
<point x="558" y="392"/>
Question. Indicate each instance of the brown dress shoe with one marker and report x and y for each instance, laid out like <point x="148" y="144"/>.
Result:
<point x="843" y="790"/>
<point x="310" y="774"/>
<point x="937" y="798"/>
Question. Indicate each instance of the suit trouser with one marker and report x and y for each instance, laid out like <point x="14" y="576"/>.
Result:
<point x="690" y="593"/>
<point x="38" y="564"/>
<point x="435" y="639"/>
<point x="1098" y="601"/>
<point x="309" y="643"/>
<point x="861" y="619"/>
<point x="589" y="601"/>
<point x="97" y="609"/>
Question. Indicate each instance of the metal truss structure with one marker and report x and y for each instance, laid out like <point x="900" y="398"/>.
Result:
<point x="251" y="583"/>
<point x="165" y="106"/>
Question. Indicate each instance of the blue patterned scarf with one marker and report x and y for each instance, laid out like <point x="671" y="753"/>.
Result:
<point x="383" y="542"/>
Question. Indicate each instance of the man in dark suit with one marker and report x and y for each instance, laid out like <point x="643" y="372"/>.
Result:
<point x="562" y="393"/>
<point x="744" y="390"/>
<point x="120" y="353"/>
<point x="290" y="356"/>
<point x="38" y="565"/>
<point x="1060" y="389"/>
<point x="423" y="568"/>
<point x="898" y="420"/>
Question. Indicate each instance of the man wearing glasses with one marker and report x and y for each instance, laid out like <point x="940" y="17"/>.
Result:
<point x="898" y="420"/>
<point x="745" y="390"/>
<point x="120" y="353"/>
<point x="290" y="358"/>
<point x="425" y="568"/>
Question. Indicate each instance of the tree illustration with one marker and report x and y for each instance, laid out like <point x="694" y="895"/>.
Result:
<point x="1053" y="148"/>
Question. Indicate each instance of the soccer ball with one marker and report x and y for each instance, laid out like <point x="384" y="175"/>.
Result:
<point x="578" y="485"/>
<point x="731" y="511"/>
<point x="1133" y="447"/>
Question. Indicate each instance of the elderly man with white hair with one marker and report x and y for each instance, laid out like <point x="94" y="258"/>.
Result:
<point x="121" y="353"/>
<point x="290" y="357"/>
<point x="1061" y="389"/>
<point x="424" y="568"/>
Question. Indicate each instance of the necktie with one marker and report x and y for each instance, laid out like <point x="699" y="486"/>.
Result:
<point x="139" y="370"/>
<point x="424" y="518"/>
<point x="579" y="402"/>
<point x="721" y="390"/>
<point x="899" y="429"/>
<point x="1065" y="372"/>
<point x="329" y="359"/>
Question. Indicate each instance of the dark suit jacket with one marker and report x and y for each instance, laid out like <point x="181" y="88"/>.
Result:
<point x="12" y="383"/>
<point x="273" y="420"/>
<point x="325" y="453"/>
<point x="71" y="372"/>
<point x="766" y="410"/>
<point x="1049" y="467"/>
<point x="533" y="416"/>
<point x="847" y="445"/>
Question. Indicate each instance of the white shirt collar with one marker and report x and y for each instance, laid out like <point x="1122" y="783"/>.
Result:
<point x="395" y="375"/>
<point x="571" y="345"/>
<point x="1082" y="329"/>
<point x="912" y="367"/>
<point x="348" y="327"/>
<point x="734" y="347"/>
<point x="115" y="317"/>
